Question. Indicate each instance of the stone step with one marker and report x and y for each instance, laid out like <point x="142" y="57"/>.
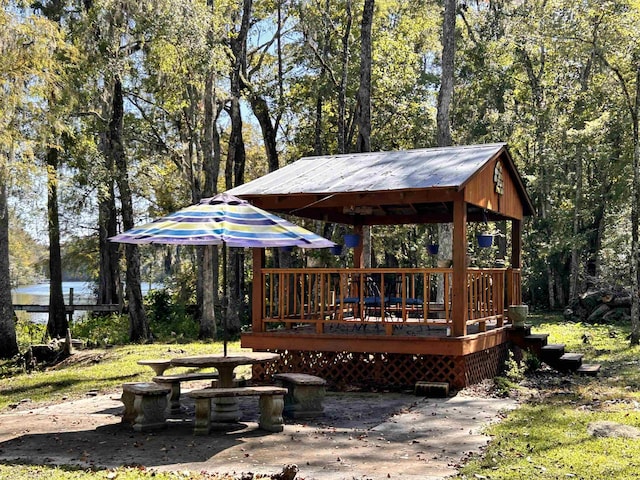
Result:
<point x="535" y="342"/>
<point x="551" y="352"/>
<point x="569" y="362"/>
<point x="589" y="369"/>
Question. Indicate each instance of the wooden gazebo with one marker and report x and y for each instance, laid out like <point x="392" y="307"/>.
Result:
<point x="391" y="327"/>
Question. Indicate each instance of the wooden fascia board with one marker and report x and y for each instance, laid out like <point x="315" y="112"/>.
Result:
<point x="297" y="203"/>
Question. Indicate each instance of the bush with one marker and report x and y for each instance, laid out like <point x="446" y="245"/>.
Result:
<point x="28" y="333"/>
<point x="101" y="330"/>
<point x="169" y="318"/>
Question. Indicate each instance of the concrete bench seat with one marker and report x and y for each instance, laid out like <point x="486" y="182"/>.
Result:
<point x="271" y="405"/>
<point x="305" y="394"/>
<point x="173" y="382"/>
<point x="145" y="405"/>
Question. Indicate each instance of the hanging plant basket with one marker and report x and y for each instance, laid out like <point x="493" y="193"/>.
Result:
<point x="433" y="249"/>
<point x="485" y="240"/>
<point x="351" y="240"/>
<point x="336" y="249"/>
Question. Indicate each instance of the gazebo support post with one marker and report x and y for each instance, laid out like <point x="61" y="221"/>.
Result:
<point x="459" y="288"/>
<point x="516" y="243"/>
<point x="358" y="252"/>
<point x="514" y="296"/>
<point x="257" y="293"/>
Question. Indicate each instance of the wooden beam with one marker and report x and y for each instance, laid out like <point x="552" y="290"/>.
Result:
<point x="302" y="202"/>
<point x="449" y="346"/>
<point x="459" y="287"/>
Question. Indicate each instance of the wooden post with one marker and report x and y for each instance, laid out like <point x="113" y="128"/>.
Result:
<point x="257" y="291"/>
<point x="516" y="243"/>
<point x="71" y="305"/>
<point x="516" y="261"/>
<point x="358" y="252"/>
<point x="459" y="295"/>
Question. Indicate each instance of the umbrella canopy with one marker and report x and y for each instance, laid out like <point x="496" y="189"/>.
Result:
<point x="224" y="219"/>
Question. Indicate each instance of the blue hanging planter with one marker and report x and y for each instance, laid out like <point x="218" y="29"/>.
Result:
<point x="433" y="249"/>
<point x="351" y="240"/>
<point x="336" y="249"/>
<point x="485" y="240"/>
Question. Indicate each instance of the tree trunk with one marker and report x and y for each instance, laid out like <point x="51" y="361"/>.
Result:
<point x="363" y="113"/>
<point x="574" y="276"/>
<point x="363" y="108"/>
<point x="443" y="120"/>
<point x="445" y="95"/>
<point x="260" y="109"/>
<point x="635" y="201"/>
<point x="8" y="340"/>
<point x="208" y="267"/>
<point x="57" y="325"/>
<point x="236" y="156"/>
<point x="342" y="87"/>
<point x="109" y="277"/>
<point x="109" y="291"/>
<point x="138" y="326"/>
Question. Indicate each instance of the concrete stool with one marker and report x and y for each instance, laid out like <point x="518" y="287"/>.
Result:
<point x="157" y="365"/>
<point x="145" y="405"/>
<point x="305" y="394"/>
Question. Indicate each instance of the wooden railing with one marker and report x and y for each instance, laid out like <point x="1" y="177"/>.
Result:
<point x="320" y="296"/>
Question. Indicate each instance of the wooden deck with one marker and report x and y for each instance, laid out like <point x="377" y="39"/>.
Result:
<point x="406" y="339"/>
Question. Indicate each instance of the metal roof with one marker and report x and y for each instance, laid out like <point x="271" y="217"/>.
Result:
<point x="377" y="171"/>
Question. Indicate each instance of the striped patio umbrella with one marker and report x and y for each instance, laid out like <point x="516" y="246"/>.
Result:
<point x="224" y="220"/>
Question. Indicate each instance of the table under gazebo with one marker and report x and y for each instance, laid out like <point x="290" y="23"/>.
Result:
<point x="390" y="327"/>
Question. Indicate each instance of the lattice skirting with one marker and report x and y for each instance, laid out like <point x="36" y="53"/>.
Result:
<point x="374" y="371"/>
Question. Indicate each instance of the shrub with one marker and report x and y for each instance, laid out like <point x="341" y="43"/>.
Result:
<point x="28" y="333"/>
<point x="101" y="330"/>
<point x="169" y="318"/>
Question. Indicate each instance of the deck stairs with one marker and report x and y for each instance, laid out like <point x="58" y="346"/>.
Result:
<point x="553" y="354"/>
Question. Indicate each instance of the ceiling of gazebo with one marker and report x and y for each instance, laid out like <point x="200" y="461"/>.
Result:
<point x="412" y="186"/>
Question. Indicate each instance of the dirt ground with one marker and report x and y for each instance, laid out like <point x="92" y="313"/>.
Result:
<point x="360" y="436"/>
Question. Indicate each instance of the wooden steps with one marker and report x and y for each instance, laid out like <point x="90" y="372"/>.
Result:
<point x="552" y="354"/>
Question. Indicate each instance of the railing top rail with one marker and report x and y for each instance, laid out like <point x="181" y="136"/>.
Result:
<point x="376" y="270"/>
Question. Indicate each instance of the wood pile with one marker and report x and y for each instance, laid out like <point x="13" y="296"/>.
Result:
<point x="600" y="306"/>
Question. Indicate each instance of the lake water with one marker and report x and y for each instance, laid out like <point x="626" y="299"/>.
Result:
<point x="38" y="294"/>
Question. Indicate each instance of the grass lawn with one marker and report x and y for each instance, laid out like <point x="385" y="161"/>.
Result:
<point x="546" y="438"/>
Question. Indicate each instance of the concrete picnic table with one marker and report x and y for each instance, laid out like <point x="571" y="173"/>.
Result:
<point x="226" y="410"/>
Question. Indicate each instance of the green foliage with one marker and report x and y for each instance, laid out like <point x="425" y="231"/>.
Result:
<point x="513" y="370"/>
<point x="29" y="333"/>
<point x="168" y="317"/>
<point x="101" y="330"/>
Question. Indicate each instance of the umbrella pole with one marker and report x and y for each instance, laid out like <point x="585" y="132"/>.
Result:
<point x="224" y="298"/>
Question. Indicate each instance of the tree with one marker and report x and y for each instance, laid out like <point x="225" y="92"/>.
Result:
<point x="363" y="106"/>
<point x="445" y="96"/>
<point x="27" y="70"/>
<point x="625" y="66"/>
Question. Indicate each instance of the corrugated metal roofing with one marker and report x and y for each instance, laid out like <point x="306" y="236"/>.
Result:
<point x="377" y="171"/>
